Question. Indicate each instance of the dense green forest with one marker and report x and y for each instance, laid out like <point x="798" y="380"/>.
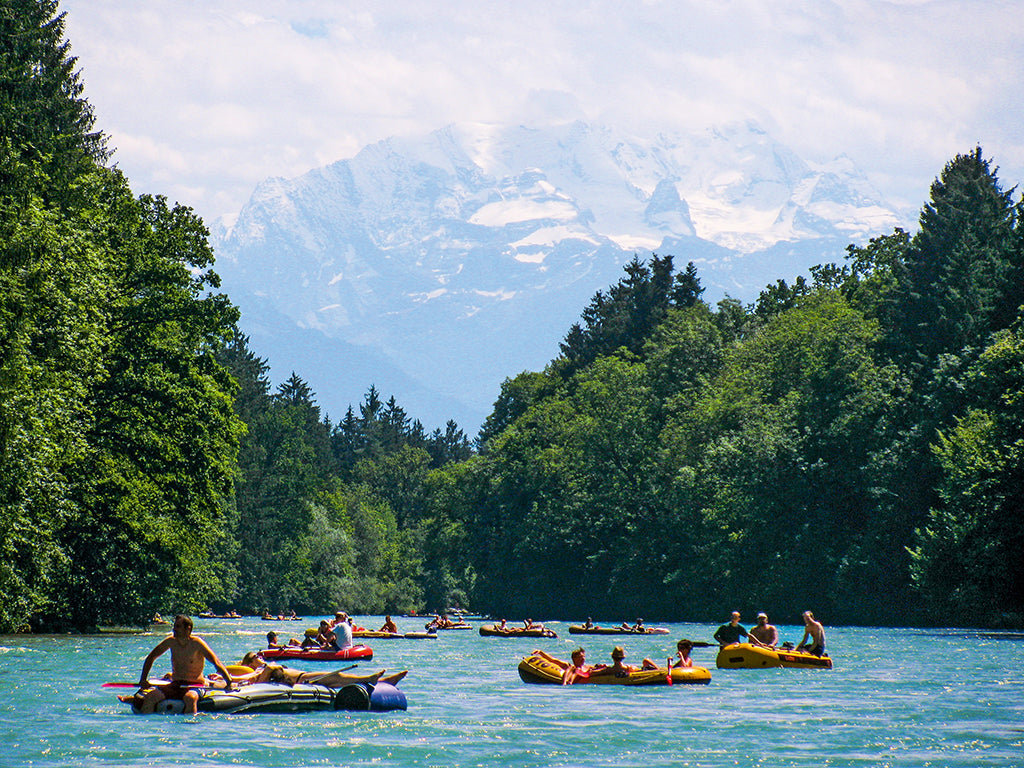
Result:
<point x="851" y="443"/>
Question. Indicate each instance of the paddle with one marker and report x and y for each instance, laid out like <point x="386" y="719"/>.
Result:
<point x="668" y="667"/>
<point x="127" y="685"/>
<point x="156" y="681"/>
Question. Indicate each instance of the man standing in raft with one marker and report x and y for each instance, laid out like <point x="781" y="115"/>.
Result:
<point x="730" y="633"/>
<point x="188" y="656"/>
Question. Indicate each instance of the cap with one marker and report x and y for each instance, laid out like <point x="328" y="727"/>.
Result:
<point x="762" y="615"/>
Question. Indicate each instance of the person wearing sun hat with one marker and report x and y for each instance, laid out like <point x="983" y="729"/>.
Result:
<point x="309" y="639"/>
<point x="764" y="634"/>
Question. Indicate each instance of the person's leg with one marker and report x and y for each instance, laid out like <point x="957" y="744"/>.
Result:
<point x="395" y="677"/>
<point x="338" y="679"/>
<point x="151" y="698"/>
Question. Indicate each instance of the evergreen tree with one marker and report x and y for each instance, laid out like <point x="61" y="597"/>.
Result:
<point x="627" y="314"/>
<point x="44" y="120"/>
<point x="950" y="280"/>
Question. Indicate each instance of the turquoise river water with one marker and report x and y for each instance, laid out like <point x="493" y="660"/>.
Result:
<point x="902" y="697"/>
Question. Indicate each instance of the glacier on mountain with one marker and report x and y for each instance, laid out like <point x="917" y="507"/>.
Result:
<point x="434" y="266"/>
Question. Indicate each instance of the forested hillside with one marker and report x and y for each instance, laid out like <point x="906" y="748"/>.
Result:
<point x="850" y="443"/>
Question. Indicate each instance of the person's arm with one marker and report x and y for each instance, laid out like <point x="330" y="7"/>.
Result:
<point x="552" y="659"/>
<point x="211" y="657"/>
<point x="155" y="654"/>
<point x="773" y="638"/>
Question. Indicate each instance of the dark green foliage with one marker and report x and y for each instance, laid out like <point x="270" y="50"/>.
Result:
<point x="966" y="557"/>
<point x="950" y="281"/>
<point x="44" y="121"/>
<point x="628" y="312"/>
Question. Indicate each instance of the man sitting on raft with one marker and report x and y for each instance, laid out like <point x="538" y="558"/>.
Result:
<point x="764" y="634"/>
<point x="816" y="632"/>
<point x="618" y="669"/>
<point x="577" y="669"/>
<point x="730" y="633"/>
<point x="188" y="656"/>
<point x="683" y="660"/>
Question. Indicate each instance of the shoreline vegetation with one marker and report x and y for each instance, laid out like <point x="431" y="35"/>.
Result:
<point x="851" y="442"/>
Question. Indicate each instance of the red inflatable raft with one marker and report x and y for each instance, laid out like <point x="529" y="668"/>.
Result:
<point x="318" y="654"/>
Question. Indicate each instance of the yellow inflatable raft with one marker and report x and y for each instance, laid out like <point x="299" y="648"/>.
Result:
<point x="747" y="656"/>
<point x="536" y="669"/>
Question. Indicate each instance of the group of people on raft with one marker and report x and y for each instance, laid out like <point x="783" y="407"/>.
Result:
<point x="578" y="669"/>
<point x="766" y="635"/>
<point x="332" y="635"/>
<point x="529" y="625"/>
<point x="443" y="622"/>
<point x="189" y="654"/>
<point x="638" y="627"/>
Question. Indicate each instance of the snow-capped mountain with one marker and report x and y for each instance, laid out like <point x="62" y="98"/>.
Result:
<point x="436" y="266"/>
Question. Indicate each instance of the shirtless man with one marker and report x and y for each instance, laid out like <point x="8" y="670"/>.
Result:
<point x="682" y="660"/>
<point x="764" y="634"/>
<point x="816" y="632"/>
<point x="188" y="657"/>
<point x="577" y="668"/>
<point x="389" y="626"/>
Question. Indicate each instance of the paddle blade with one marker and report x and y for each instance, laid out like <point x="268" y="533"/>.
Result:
<point x="153" y="682"/>
<point x="668" y="669"/>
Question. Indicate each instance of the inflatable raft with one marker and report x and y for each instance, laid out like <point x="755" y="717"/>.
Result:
<point x="579" y="629"/>
<point x="747" y="656"/>
<point x="536" y="669"/>
<point x="353" y="652"/>
<point x="491" y="630"/>
<point x="369" y="634"/>
<point x="303" y="697"/>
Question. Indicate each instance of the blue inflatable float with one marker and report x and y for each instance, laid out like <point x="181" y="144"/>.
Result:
<point x="302" y="697"/>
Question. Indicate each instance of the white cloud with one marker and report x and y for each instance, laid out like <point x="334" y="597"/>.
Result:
<point x="208" y="98"/>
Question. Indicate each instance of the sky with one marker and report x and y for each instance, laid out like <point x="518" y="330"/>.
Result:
<point x="203" y="99"/>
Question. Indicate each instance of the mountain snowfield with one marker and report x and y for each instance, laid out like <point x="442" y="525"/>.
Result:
<point x="435" y="266"/>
